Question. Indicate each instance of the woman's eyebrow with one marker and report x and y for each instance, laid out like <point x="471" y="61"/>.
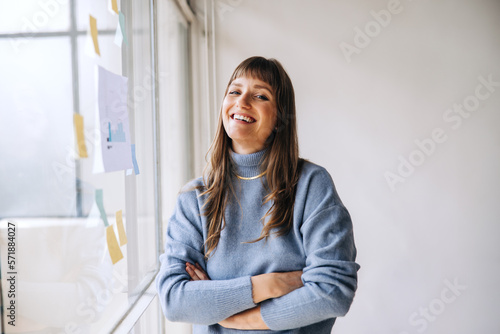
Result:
<point x="263" y="87"/>
<point x="254" y="86"/>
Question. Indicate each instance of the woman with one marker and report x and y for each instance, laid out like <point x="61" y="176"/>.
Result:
<point x="262" y="242"/>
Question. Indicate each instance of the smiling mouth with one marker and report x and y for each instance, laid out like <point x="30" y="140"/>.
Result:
<point x="243" y="118"/>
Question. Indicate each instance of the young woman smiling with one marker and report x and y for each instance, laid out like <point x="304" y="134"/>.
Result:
<point x="262" y="241"/>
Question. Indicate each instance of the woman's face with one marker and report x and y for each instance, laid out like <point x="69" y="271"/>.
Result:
<point x="249" y="114"/>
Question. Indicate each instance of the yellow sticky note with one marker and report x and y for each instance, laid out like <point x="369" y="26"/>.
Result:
<point x="93" y="33"/>
<point x="113" y="247"/>
<point x="121" y="228"/>
<point x="80" y="137"/>
<point x="114" y="6"/>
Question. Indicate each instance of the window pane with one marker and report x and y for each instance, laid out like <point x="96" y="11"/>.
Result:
<point x="37" y="173"/>
<point x="31" y="16"/>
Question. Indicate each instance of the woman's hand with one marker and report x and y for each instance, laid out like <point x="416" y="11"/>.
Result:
<point x="246" y="320"/>
<point x="274" y="285"/>
<point x="196" y="272"/>
<point x="287" y="282"/>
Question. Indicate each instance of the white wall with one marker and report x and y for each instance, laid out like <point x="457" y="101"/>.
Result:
<point x="357" y="118"/>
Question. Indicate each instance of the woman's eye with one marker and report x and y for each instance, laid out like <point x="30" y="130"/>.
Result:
<point x="262" y="97"/>
<point x="233" y="92"/>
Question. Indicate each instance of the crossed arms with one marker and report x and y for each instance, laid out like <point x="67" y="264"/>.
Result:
<point x="264" y="286"/>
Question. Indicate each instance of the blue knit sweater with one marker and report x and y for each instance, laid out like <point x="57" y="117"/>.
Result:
<point x="320" y="243"/>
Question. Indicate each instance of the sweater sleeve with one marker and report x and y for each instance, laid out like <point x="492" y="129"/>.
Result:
<point x="200" y="302"/>
<point x="330" y="274"/>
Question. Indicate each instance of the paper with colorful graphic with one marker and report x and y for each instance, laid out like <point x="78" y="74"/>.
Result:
<point x="114" y="122"/>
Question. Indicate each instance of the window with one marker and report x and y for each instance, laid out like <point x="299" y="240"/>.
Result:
<point x="64" y="279"/>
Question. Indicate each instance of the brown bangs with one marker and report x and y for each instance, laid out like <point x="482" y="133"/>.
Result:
<point x="259" y="68"/>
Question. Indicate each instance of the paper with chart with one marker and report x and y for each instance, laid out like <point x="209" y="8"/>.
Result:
<point x="114" y="122"/>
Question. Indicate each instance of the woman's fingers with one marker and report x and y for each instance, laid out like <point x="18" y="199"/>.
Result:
<point x="200" y="272"/>
<point x="191" y="272"/>
<point x="196" y="272"/>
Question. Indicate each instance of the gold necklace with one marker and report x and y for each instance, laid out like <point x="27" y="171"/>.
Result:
<point x="249" y="178"/>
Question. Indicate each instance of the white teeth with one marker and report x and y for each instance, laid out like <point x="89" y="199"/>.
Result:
<point x="243" y="118"/>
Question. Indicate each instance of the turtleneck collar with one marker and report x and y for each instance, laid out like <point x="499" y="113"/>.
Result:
<point x="247" y="165"/>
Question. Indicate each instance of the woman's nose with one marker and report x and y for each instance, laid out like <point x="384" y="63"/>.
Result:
<point x="243" y="101"/>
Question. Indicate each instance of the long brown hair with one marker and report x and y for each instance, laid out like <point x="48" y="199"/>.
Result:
<point x="281" y="159"/>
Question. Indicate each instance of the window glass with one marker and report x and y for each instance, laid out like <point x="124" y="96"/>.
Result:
<point x="33" y="16"/>
<point x="37" y="173"/>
